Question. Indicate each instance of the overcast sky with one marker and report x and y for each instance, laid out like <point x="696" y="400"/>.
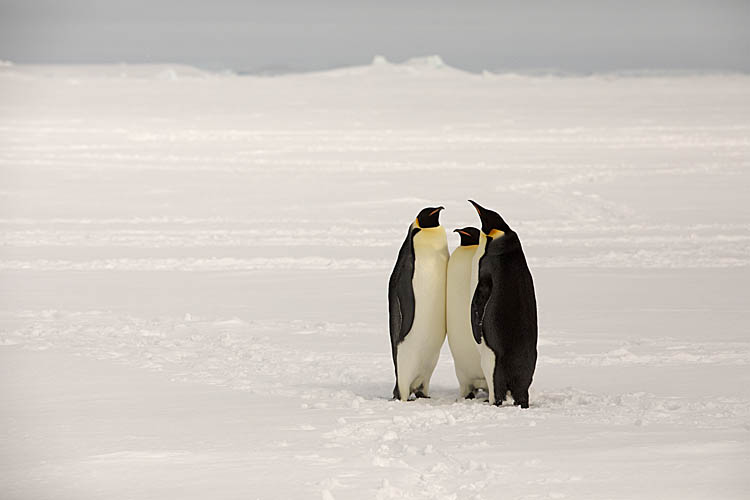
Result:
<point x="283" y="35"/>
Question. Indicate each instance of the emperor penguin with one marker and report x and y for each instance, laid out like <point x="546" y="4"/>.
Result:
<point x="458" y="301"/>
<point x="416" y="304"/>
<point x="503" y="311"/>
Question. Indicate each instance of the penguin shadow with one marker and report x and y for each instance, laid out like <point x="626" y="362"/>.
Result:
<point x="382" y="391"/>
<point x="447" y="397"/>
<point x="439" y="396"/>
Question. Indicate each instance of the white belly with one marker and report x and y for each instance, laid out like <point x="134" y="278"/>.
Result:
<point x="458" y="321"/>
<point x="487" y="357"/>
<point x="475" y="264"/>
<point x="488" y="367"/>
<point x="418" y="354"/>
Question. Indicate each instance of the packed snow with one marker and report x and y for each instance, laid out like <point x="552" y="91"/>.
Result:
<point x="193" y="273"/>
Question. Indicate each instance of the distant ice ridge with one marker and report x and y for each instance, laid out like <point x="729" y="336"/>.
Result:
<point x="432" y="65"/>
<point x="195" y="264"/>
<point x="168" y="72"/>
<point x="433" y="61"/>
<point x="427" y="65"/>
<point x="423" y="65"/>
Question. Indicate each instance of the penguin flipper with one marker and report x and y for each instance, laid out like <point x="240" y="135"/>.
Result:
<point x="479" y="304"/>
<point x="401" y="293"/>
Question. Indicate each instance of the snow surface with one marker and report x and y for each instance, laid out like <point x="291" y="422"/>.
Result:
<point x="193" y="275"/>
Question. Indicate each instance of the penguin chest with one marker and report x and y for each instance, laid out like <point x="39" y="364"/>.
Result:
<point x="419" y="351"/>
<point x="474" y="277"/>
<point x="460" y="337"/>
<point x="488" y="359"/>
<point x="428" y="284"/>
<point x="478" y="254"/>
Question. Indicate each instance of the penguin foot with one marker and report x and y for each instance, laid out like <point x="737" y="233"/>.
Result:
<point x="420" y="394"/>
<point x="522" y="400"/>
<point x="471" y="395"/>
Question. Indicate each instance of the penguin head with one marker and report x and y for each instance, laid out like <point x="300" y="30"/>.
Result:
<point x="492" y="224"/>
<point x="429" y="217"/>
<point x="469" y="236"/>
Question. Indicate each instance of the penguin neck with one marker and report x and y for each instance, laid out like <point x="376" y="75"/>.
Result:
<point x="508" y="244"/>
<point x="486" y="240"/>
<point x="431" y="237"/>
<point x="467" y="249"/>
<point x="482" y="243"/>
<point x="478" y="253"/>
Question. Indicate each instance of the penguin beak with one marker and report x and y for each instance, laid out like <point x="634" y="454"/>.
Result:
<point x="461" y="232"/>
<point x="482" y="214"/>
<point x="477" y="206"/>
<point x="437" y="210"/>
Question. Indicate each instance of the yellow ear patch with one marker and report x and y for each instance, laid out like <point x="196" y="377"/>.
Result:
<point x="495" y="234"/>
<point x="416" y="223"/>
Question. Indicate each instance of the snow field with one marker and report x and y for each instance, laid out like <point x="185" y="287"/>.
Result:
<point x="193" y="274"/>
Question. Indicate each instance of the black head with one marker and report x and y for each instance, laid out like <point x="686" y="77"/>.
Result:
<point x="429" y="217"/>
<point x="469" y="236"/>
<point x="490" y="220"/>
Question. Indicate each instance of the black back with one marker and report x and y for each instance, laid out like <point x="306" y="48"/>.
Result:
<point x="401" y="293"/>
<point x="504" y="314"/>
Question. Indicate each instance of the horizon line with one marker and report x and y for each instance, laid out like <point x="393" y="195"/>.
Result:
<point x="429" y="62"/>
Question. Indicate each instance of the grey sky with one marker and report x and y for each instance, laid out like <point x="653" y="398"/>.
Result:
<point x="579" y="36"/>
